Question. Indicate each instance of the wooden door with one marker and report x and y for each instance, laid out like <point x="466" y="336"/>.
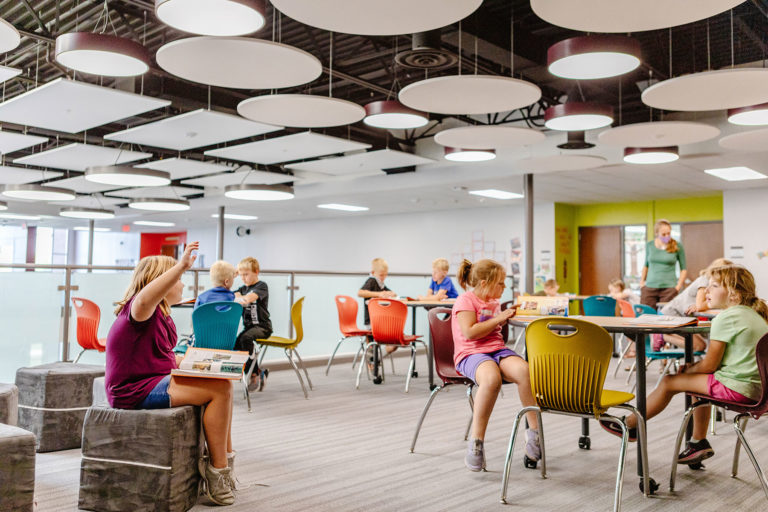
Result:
<point x="703" y="242"/>
<point x="599" y="258"/>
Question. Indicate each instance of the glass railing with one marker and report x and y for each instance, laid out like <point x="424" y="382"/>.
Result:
<point x="39" y="320"/>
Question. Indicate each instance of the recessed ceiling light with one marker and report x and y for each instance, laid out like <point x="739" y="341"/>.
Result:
<point x="86" y="228"/>
<point x="159" y="204"/>
<point x="593" y="56"/>
<point x="496" y="194"/>
<point x="86" y="213"/>
<point x="646" y="156"/>
<point x="235" y="216"/>
<point x="101" y="54"/>
<point x="577" y="116"/>
<point x="754" y="115"/>
<point x="38" y="193"/>
<point x="212" y="17"/>
<point x="247" y="192"/>
<point x="736" y="174"/>
<point x="393" y="115"/>
<point x="343" y="207"/>
<point x="18" y="216"/>
<point x="469" y="155"/>
<point x="153" y="223"/>
<point x="126" y="176"/>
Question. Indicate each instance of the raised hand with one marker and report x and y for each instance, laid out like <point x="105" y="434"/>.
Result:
<point x="187" y="259"/>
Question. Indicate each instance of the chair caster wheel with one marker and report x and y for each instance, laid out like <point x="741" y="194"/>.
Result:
<point x="653" y="484"/>
<point x="378" y="380"/>
<point x="585" y="443"/>
<point x="529" y="463"/>
<point x="696" y="466"/>
<point x="414" y="374"/>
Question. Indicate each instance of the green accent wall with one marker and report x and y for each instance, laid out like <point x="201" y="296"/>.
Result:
<point x="570" y="217"/>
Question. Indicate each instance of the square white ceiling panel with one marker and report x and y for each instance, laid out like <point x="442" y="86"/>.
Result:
<point x="287" y="149"/>
<point x="18" y="176"/>
<point x="167" y="192"/>
<point x="254" y="177"/>
<point x="183" y="167"/>
<point x="372" y="160"/>
<point x="80" y="184"/>
<point x="92" y="202"/>
<point x="10" y="141"/>
<point x="310" y="177"/>
<point x="7" y="73"/>
<point x="78" y="157"/>
<point x="68" y="106"/>
<point x="192" y="130"/>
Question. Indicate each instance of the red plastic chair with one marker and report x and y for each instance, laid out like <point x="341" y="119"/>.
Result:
<point x="743" y="413"/>
<point x="88" y="316"/>
<point x="347" y="308"/>
<point x="387" y="323"/>
<point x="442" y="351"/>
<point x="625" y="308"/>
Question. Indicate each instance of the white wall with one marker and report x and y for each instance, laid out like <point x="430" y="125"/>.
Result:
<point x="744" y="214"/>
<point x="409" y="242"/>
<point x="110" y="248"/>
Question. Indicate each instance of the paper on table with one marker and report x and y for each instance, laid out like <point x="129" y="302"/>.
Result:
<point x="663" y="320"/>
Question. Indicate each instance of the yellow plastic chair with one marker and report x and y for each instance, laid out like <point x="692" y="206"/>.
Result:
<point x="568" y="360"/>
<point x="289" y="345"/>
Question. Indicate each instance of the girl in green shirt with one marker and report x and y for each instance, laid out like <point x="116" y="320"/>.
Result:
<point x="729" y="369"/>
<point x="659" y="282"/>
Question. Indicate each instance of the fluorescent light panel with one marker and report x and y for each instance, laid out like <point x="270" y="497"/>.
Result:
<point x="736" y="174"/>
<point x="153" y="223"/>
<point x="343" y="207"/>
<point x="78" y="157"/>
<point x="496" y="194"/>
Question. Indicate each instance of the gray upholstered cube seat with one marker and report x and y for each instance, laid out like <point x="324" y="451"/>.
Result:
<point x="140" y="460"/>
<point x="53" y="399"/>
<point x="9" y="404"/>
<point x="17" y="469"/>
<point x="99" y="391"/>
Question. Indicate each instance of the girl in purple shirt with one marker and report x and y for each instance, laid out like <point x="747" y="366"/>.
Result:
<point x="140" y="359"/>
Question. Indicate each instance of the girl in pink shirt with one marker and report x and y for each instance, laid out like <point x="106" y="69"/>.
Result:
<point x="480" y="354"/>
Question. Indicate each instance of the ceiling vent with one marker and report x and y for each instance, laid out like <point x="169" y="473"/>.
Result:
<point x="425" y="53"/>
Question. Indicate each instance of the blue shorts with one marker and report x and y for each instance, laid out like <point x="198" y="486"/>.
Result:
<point x="158" y="398"/>
<point x="468" y="366"/>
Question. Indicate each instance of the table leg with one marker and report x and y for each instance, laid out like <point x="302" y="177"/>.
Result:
<point x="639" y="339"/>
<point x="688" y="360"/>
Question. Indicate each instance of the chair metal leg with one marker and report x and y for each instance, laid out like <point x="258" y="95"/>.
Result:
<point x="359" y="351"/>
<point x="743" y="440"/>
<point x="736" y="449"/>
<point x="333" y="354"/>
<point x="78" y="356"/>
<point x="517" y="341"/>
<point x="542" y="444"/>
<point x="471" y="400"/>
<point x="362" y="364"/>
<point x="301" y="364"/>
<point x="631" y="372"/>
<point x="431" y="398"/>
<point x="263" y="351"/>
<point x="643" y="440"/>
<point x="621" y="358"/>
<point x="298" y="373"/>
<point x="510" y="450"/>
<point x="411" y="366"/>
<point x="678" y="442"/>
<point x="669" y="363"/>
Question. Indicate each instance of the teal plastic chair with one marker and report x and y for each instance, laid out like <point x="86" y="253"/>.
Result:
<point x="215" y="325"/>
<point x="599" y="305"/>
<point x="644" y="309"/>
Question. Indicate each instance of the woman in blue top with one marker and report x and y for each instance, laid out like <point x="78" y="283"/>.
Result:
<point x="659" y="282"/>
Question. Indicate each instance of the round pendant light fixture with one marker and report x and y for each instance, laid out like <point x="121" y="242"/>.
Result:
<point x="38" y="193"/>
<point x="719" y="89"/>
<point x="3" y="205"/>
<point x="101" y="54"/>
<point x="9" y="36"/>
<point x="159" y="204"/>
<point x="646" y="156"/>
<point x="300" y="110"/>
<point x="756" y="115"/>
<point x="469" y="155"/>
<point x="247" y="192"/>
<point x="577" y="116"/>
<point x="86" y="213"/>
<point x="212" y="17"/>
<point x="393" y="115"/>
<point x="593" y="56"/>
<point x="126" y="176"/>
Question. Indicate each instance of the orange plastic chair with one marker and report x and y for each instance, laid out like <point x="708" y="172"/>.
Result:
<point x="387" y="324"/>
<point x="627" y="310"/>
<point x="347" y="308"/>
<point x="88" y="316"/>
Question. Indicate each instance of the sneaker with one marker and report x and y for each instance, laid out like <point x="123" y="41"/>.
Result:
<point x="695" y="452"/>
<point x="217" y="485"/>
<point x="231" y="465"/>
<point x="532" y="446"/>
<point x="263" y="378"/>
<point x="475" y="458"/>
<point x="657" y="342"/>
<point x="613" y="428"/>
<point x="255" y="382"/>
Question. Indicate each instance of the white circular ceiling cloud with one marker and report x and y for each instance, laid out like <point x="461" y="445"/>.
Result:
<point x="555" y="163"/>
<point x="488" y="137"/>
<point x="238" y="62"/>
<point x="658" y="134"/>
<point x="300" y="110"/>
<point x="615" y="16"/>
<point x="710" y="90"/>
<point x="754" y="140"/>
<point x="377" y="18"/>
<point x="469" y="94"/>
<point x="9" y="36"/>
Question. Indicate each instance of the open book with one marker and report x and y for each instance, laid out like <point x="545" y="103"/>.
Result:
<point x="212" y="363"/>
<point x="535" y="305"/>
<point x="663" y="320"/>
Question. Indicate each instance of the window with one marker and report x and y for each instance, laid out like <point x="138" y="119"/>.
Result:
<point x="634" y="254"/>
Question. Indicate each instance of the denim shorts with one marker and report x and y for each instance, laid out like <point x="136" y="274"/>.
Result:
<point x="468" y="366"/>
<point x="158" y="398"/>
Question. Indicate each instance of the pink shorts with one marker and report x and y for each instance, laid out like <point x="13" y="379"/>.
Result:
<point x="715" y="389"/>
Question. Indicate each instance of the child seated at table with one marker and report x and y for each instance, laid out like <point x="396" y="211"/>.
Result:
<point x="374" y="286"/>
<point x="254" y="296"/>
<point x="222" y="278"/>
<point x="441" y="286"/>
<point x="551" y="286"/>
<point x="728" y="371"/>
<point x="619" y="291"/>
<point x="480" y="354"/>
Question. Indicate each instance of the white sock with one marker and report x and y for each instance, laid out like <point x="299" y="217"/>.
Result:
<point x="694" y="441"/>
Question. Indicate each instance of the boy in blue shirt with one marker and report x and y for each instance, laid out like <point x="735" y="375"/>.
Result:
<point x="222" y="278"/>
<point x="441" y="286"/>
